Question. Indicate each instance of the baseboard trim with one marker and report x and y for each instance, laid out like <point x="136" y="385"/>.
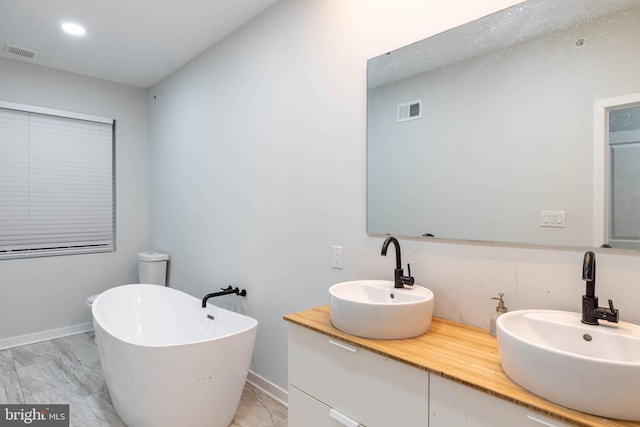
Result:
<point x="269" y="388"/>
<point x="44" y="335"/>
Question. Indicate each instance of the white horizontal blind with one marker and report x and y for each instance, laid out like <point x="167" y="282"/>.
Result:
<point x="56" y="184"/>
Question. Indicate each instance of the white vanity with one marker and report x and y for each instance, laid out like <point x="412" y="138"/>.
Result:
<point x="450" y="376"/>
<point x="329" y="379"/>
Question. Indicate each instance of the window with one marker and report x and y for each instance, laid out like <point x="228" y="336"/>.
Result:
<point x="56" y="182"/>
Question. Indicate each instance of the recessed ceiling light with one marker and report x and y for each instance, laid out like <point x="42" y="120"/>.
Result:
<point x="73" y="29"/>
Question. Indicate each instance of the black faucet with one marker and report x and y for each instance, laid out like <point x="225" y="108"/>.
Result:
<point x="225" y="291"/>
<point x="399" y="278"/>
<point x="590" y="310"/>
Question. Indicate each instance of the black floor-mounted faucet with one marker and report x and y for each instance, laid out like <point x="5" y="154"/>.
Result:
<point x="399" y="278"/>
<point x="225" y="291"/>
<point x="590" y="310"/>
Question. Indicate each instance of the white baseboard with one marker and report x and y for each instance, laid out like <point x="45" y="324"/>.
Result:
<point x="269" y="388"/>
<point x="44" y="335"/>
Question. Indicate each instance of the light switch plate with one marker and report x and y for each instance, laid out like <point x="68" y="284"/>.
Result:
<point x="336" y="257"/>
<point x="557" y="219"/>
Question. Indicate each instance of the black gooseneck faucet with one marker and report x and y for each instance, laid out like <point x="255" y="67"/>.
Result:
<point x="399" y="278"/>
<point x="590" y="310"/>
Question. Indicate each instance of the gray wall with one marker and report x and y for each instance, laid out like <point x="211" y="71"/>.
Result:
<point x="258" y="167"/>
<point x="43" y="294"/>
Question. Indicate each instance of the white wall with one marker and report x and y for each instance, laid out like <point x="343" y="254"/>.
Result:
<point x="42" y="294"/>
<point x="258" y="167"/>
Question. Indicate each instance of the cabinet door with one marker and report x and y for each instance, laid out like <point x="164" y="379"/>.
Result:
<point x="452" y="404"/>
<point x="364" y="386"/>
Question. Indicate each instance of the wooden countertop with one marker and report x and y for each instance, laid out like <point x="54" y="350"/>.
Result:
<point x="462" y="353"/>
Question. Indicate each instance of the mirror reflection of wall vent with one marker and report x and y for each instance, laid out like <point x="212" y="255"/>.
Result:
<point x="23" y="52"/>
<point x="410" y="110"/>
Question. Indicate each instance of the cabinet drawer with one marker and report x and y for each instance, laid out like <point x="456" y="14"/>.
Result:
<point x="452" y="404"/>
<point x="305" y="411"/>
<point x="362" y="385"/>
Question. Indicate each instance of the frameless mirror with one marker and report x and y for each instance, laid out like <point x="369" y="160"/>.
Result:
<point x="489" y="131"/>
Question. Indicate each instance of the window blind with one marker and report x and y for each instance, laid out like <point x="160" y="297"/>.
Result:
<point x="56" y="182"/>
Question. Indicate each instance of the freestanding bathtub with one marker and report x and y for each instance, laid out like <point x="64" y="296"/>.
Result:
<point x="169" y="362"/>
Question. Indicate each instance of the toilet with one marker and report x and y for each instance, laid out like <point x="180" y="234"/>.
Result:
<point x="152" y="269"/>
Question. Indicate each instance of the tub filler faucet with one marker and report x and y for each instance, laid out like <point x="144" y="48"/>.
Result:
<point x="399" y="278"/>
<point x="590" y="310"/>
<point x="224" y="291"/>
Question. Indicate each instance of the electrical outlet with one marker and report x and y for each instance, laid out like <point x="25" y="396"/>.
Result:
<point x="336" y="257"/>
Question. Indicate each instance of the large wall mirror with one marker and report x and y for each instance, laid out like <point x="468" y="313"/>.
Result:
<point x="520" y="127"/>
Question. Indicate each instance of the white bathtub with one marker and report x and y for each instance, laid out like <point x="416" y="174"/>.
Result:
<point x="165" y="362"/>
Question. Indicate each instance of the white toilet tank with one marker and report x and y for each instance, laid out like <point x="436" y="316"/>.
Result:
<point x="152" y="268"/>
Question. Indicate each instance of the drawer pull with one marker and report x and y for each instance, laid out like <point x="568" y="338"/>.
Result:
<point x="541" y="421"/>
<point x="343" y="419"/>
<point x="343" y="346"/>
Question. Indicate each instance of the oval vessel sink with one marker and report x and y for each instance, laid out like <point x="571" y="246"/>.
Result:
<point x="375" y="309"/>
<point x="593" y="369"/>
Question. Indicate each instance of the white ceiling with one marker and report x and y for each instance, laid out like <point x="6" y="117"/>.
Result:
<point x="516" y="24"/>
<point x="136" y="42"/>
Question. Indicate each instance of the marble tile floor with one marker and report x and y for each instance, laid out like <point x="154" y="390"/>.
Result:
<point x="67" y="370"/>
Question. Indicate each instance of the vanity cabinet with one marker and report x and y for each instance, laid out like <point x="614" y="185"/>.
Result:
<point x="448" y="377"/>
<point x="335" y="384"/>
<point x="332" y="383"/>
<point x="453" y="404"/>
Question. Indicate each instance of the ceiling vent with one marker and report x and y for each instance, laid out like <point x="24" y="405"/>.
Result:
<point x="22" y="52"/>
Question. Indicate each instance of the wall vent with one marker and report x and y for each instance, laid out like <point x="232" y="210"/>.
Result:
<point x="22" y="52"/>
<point x="410" y="110"/>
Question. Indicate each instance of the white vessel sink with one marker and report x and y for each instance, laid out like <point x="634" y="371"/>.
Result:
<point x="593" y="369"/>
<point x="375" y="309"/>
